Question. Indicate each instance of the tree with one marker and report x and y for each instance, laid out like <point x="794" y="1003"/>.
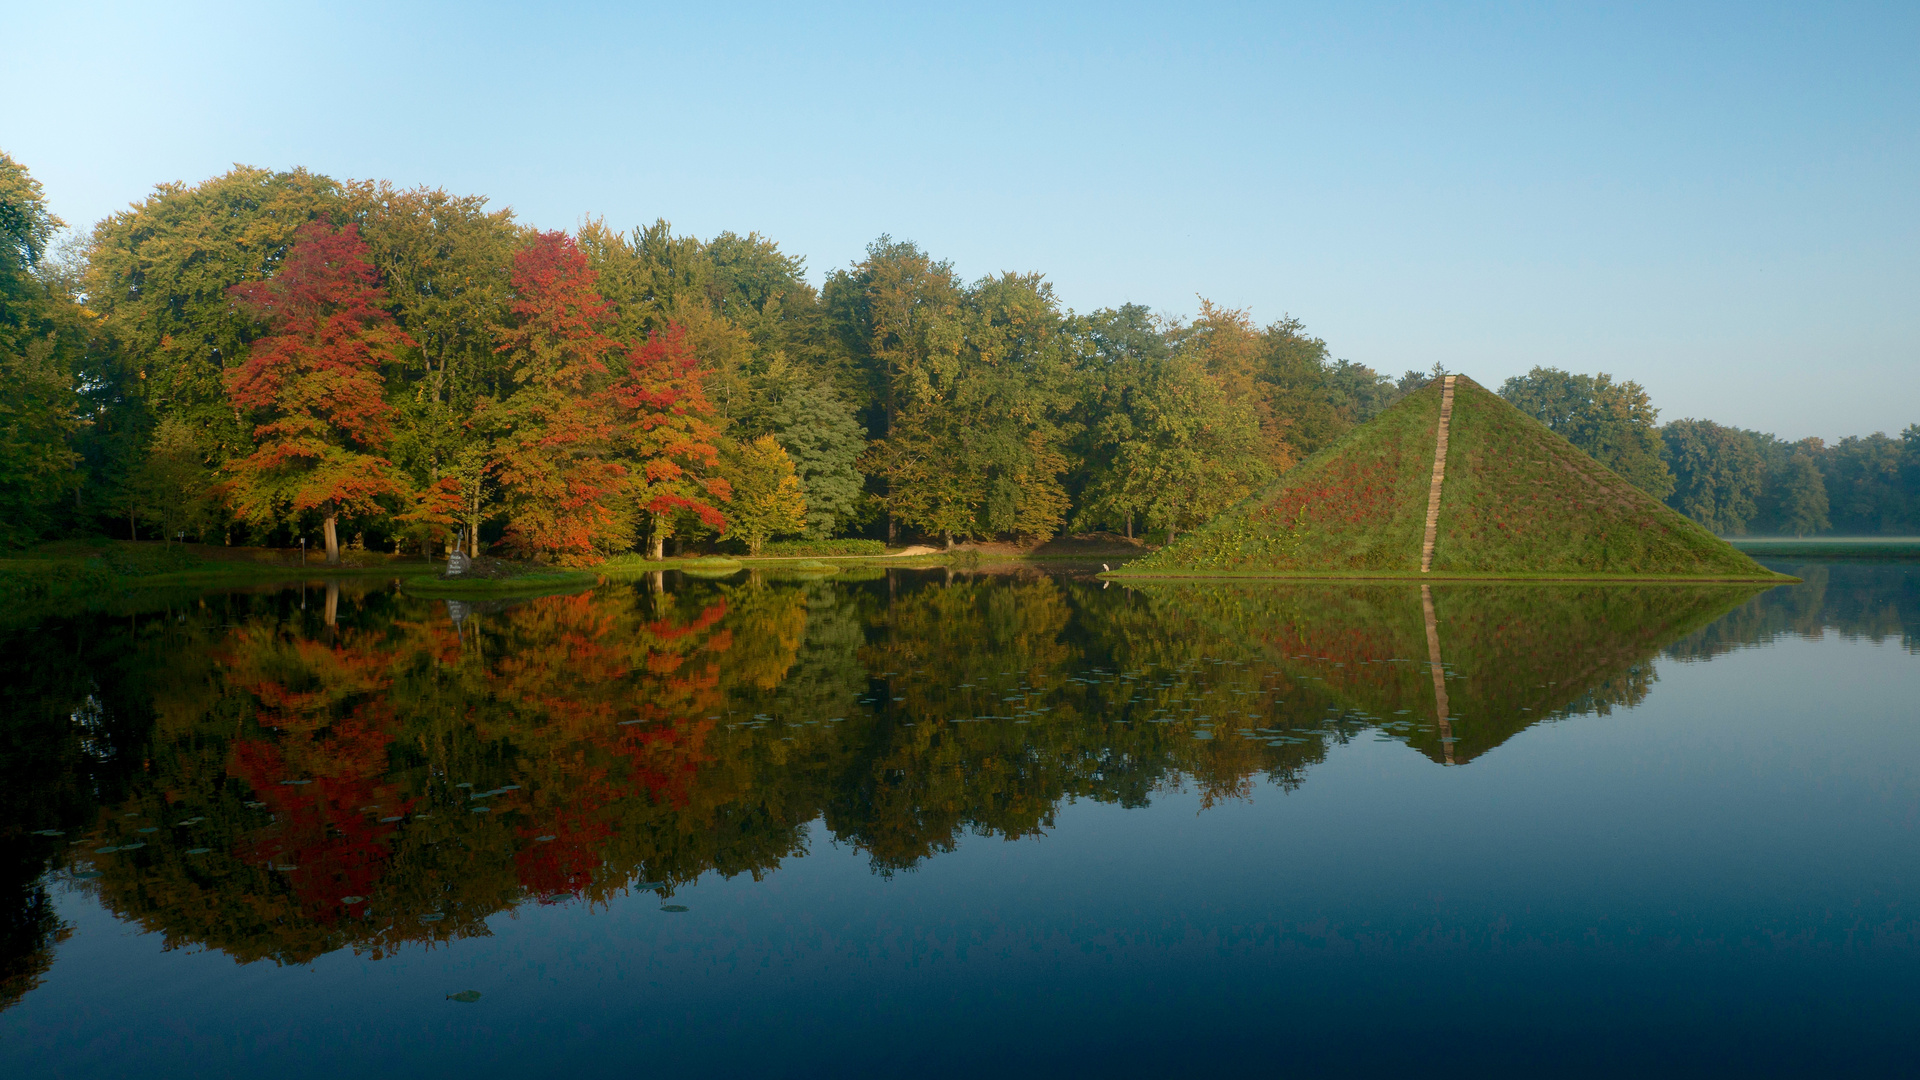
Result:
<point x="568" y="495"/>
<point x="669" y="434"/>
<point x="316" y="386"/>
<point x="1364" y="393"/>
<point x="1614" y="422"/>
<point x="1869" y="481"/>
<point x="40" y="330"/>
<point x="1797" y="493"/>
<point x="1301" y="407"/>
<point x="767" y="496"/>
<point x="446" y="262"/>
<point x="435" y="513"/>
<point x="1116" y="349"/>
<point x="817" y="427"/>
<point x="1717" y="474"/>
<point x="171" y="488"/>
<point x="896" y="317"/>
<point x="37" y="423"/>
<point x="975" y="446"/>
<point x="160" y="275"/>
<point x="1182" y="451"/>
<point x="1301" y="400"/>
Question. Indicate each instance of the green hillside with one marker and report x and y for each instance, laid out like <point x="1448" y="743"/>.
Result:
<point x="1517" y="501"/>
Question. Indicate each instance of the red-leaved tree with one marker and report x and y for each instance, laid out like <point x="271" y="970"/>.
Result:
<point x="557" y="457"/>
<point x="315" y="386"/>
<point x="670" y="433"/>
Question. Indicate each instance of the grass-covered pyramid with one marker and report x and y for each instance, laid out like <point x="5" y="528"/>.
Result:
<point x="1517" y="500"/>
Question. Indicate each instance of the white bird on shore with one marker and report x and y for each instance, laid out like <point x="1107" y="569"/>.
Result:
<point x="1105" y="568"/>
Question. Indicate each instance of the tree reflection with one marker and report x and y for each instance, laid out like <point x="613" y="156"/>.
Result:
<point x="278" y="779"/>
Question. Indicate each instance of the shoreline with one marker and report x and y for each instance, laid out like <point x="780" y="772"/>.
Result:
<point x="93" y="573"/>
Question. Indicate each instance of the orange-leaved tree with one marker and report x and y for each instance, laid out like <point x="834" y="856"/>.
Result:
<point x="670" y="433"/>
<point x="435" y="513"/>
<point x="315" y="386"/>
<point x="557" y="457"/>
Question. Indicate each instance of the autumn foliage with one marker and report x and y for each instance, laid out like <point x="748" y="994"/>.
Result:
<point x="665" y="411"/>
<point x="592" y="434"/>
<point x="315" y="385"/>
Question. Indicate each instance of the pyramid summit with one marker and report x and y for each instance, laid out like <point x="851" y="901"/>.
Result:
<point x="1452" y="481"/>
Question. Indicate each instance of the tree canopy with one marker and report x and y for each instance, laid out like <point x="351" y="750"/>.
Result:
<point x="570" y="396"/>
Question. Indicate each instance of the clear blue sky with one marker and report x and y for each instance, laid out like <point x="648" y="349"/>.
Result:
<point x="1717" y="201"/>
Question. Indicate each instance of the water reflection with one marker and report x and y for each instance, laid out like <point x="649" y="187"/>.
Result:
<point x="278" y="778"/>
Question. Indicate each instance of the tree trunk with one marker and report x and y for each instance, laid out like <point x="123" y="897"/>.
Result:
<point x="1129" y="524"/>
<point x="473" y="528"/>
<point x="659" y="547"/>
<point x="333" y="603"/>
<point x="949" y="535"/>
<point x="331" y="526"/>
<point x="1170" y="534"/>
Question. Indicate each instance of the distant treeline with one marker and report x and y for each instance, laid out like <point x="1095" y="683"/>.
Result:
<point x="273" y="355"/>
<point x="1733" y="481"/>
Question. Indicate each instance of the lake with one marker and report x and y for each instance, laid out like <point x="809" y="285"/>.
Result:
<point x="962" y="824"/>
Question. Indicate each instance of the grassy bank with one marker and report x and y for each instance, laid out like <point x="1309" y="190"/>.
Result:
<point x="106" y="574"/>
<point x="78" y="567"/>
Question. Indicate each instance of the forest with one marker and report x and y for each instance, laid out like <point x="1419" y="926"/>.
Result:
<point x="268" y="357"/>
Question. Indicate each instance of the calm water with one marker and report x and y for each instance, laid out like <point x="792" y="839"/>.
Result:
<point x="967" y="825"/>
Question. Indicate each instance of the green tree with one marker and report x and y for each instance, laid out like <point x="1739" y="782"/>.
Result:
<point x="1365" y="393"/>
<point x="974" y="445"/>
<point x="1615" y="422"/>
<point x="817" y="426"/>
<point x="1717" y="474"/>
<point x="895" y="316"/>
<point x="1116" y="350"/>
<point x="1796" y="493"/>
<point x="173" y="486"/>
<point x="40" y="332"/>
<point x="1301" y="399"/>
<point x="1303" y="408"/>
<point x="1180" y="451"/>
<point x="767" y="497"/>
<point x="1869" y="482"/>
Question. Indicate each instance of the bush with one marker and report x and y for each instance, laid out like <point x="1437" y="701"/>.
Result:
<point x="824" y="547"/>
